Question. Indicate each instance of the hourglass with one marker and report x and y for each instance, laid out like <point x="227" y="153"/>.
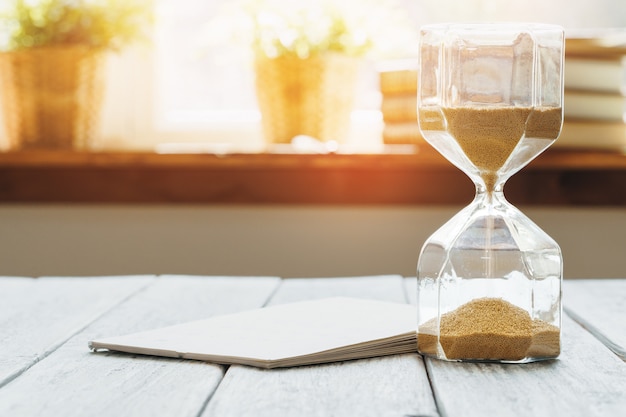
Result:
<point x="489" y="280"/>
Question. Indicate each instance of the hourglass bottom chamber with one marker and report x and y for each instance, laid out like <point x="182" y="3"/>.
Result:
<point x="489" y="287"/>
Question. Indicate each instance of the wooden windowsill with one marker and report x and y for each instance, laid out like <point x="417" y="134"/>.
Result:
<point x="421" y="176"/>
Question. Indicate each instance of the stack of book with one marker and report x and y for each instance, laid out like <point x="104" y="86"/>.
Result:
<point x="595" y="92"/>
<point x="398" y="86"/>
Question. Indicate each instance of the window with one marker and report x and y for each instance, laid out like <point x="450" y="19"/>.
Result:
<point x="205" y="88"/>
<point x="204" y="91"/>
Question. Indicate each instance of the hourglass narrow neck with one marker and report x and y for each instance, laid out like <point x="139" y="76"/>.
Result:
<point x="490" y="193"/>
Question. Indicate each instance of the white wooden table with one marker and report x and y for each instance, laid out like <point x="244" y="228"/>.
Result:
<point x="46" y="368"/>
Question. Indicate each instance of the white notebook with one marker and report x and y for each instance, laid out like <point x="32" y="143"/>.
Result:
<point x="301" y="333"/>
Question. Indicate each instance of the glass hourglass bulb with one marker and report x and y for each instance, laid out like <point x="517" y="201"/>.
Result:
<point x="489" y="280"/>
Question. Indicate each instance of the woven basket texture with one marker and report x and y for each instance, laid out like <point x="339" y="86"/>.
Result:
<point x="52" y="97"/>
<point x="312" y="96"/>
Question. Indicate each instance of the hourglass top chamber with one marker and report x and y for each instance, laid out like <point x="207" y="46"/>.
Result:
<point x="489" y="280"/>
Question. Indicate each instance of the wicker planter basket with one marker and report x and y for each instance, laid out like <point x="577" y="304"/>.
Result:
<point x="312" y="96"/>
<point x="51" y="97"/>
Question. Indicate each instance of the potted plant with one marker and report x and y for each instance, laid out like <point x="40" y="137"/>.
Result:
<point x="307" y="57"/>
<point x="52" y="67"/>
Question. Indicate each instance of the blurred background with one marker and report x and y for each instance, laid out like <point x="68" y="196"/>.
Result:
<point x="202" y="81"/>
<point x="192" y="82"/>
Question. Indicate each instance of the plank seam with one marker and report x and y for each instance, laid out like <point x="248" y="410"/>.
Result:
<point x="226" y="368"/>
<point x="440" y="408"/>
<point x="596" y="334"/>
<point x="56" y="345"/>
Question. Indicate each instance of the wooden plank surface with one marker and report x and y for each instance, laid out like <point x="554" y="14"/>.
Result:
<point x="387" y="386"/>
<point x="587" y="380"/>
<point x="600" y="307"/>
<point x="60" y="377"/>
<point x="72" y="381"/>
<point x="37" y="315"/>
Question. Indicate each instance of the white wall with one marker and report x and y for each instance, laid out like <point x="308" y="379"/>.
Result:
<point x="285" y="241"/>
